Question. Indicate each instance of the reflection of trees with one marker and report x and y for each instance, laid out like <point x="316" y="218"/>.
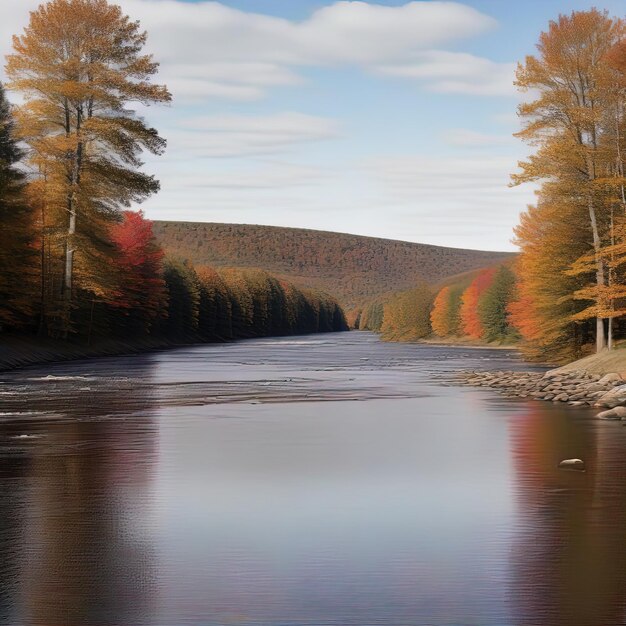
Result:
<point x="84" y="557"/>
<point x="12" y="467"/>
<point x="569" y="565"/>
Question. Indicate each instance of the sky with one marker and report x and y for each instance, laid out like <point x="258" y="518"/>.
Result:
<point x="385" y="118"/>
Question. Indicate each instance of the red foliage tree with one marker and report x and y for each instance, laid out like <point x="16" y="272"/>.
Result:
<point x="142" y="288"/>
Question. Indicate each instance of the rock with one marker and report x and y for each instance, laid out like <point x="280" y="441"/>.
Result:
<point x="596" y="387"/>
<point x="609" y="379"/>
<point x="562" y="397"/>
<point x="619" y="412"/>
<point x="614" y="397"/>
<point x="577" y="464"/>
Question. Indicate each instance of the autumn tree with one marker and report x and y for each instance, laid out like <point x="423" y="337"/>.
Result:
<point x="576" y="123"/>
<point x="471" y="325"/>
<point x="439" y="313"/>
<point x="544" y="310"/>
<point x="407" y="315"/>
<point x="445" y="316"/>
<point x="79" y="65"/>
<point x="141" y="292"/>
<point x="17" y="267"/>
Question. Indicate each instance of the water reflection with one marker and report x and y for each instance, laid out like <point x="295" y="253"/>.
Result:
<point x="11" y="524"/>
<point x="76" y="512"/>
<point x="235" y="484"/>
<point x="569" y="559"/>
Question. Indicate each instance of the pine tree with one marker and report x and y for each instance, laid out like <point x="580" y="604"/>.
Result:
<point x="17" y="254"/>
<point x="493" y="306"/>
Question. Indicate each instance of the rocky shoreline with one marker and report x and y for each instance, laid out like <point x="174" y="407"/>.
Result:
<point x="576" y="388"/>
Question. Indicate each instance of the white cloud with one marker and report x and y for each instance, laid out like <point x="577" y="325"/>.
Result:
<point x="240" y="135"/>
<point x="472" y="192"/>
<point x="456" y="72"/>
<point x="209" y="50"/>
<point x="463" y="138"/>
<point x="258" y="176"/>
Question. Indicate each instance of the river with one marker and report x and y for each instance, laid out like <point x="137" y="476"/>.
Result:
<point x="320" y="480"/>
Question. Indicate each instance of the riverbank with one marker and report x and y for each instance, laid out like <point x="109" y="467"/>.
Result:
<point x="576" y="388"/>
<point x="466" y="342"/>
<point x="448" y="342"/>
<point x="21" y="351"/>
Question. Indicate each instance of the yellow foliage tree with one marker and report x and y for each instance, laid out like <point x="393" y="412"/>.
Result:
<point x="575" y="123"/>
<point x="78" y="65"/>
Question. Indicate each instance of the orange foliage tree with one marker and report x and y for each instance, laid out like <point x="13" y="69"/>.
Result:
<point x="471" y="324"/>
<point x="439" y="314"/>
<point x="550" y="236"/>
<point x="576" y="123"/>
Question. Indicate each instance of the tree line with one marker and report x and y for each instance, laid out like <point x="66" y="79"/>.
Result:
<point x="477" y="308"/>
<point x="75" y="261"/>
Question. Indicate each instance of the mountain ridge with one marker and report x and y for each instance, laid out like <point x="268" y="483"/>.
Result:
<point x="354" y="268"/>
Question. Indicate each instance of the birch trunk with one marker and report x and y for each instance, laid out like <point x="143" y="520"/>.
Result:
<point x="600" y="338"/>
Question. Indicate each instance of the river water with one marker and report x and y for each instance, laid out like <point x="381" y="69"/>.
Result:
<point x="321" y="480"/>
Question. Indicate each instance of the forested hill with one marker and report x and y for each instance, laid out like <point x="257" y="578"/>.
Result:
<point x="352" y="268"/>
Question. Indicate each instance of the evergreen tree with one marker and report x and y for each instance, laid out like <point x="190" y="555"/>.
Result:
<point x="493" y="306"/>
<point x="17" y="255"/>
<point x="183" y="292"/>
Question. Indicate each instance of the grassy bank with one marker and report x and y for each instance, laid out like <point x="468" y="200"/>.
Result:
<point x="467" y="342"/>
<point x="607" y="362"/>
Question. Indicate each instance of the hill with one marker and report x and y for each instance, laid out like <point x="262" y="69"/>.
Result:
<point x="352" y="268"/>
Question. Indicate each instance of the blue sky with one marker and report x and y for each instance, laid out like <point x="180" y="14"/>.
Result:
<point x="387" y="118"/>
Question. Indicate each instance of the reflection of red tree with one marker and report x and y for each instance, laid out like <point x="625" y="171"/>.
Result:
<point x="569" y="561"/>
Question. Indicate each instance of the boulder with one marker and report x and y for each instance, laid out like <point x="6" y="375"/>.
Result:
<point x="614" y="397"/>
<point x="577" y="464"/>
<point x="596" y="387"/>
<point x="609" y="379"/>
<point x="617" y="413"/>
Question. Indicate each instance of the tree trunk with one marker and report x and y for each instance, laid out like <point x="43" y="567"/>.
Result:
<point x="69" y="257"/>
<point x="43" y="312"/>
<point x="68" y="270"/>
<point x="597" y="245"/>
<point x="600" y="338"/>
